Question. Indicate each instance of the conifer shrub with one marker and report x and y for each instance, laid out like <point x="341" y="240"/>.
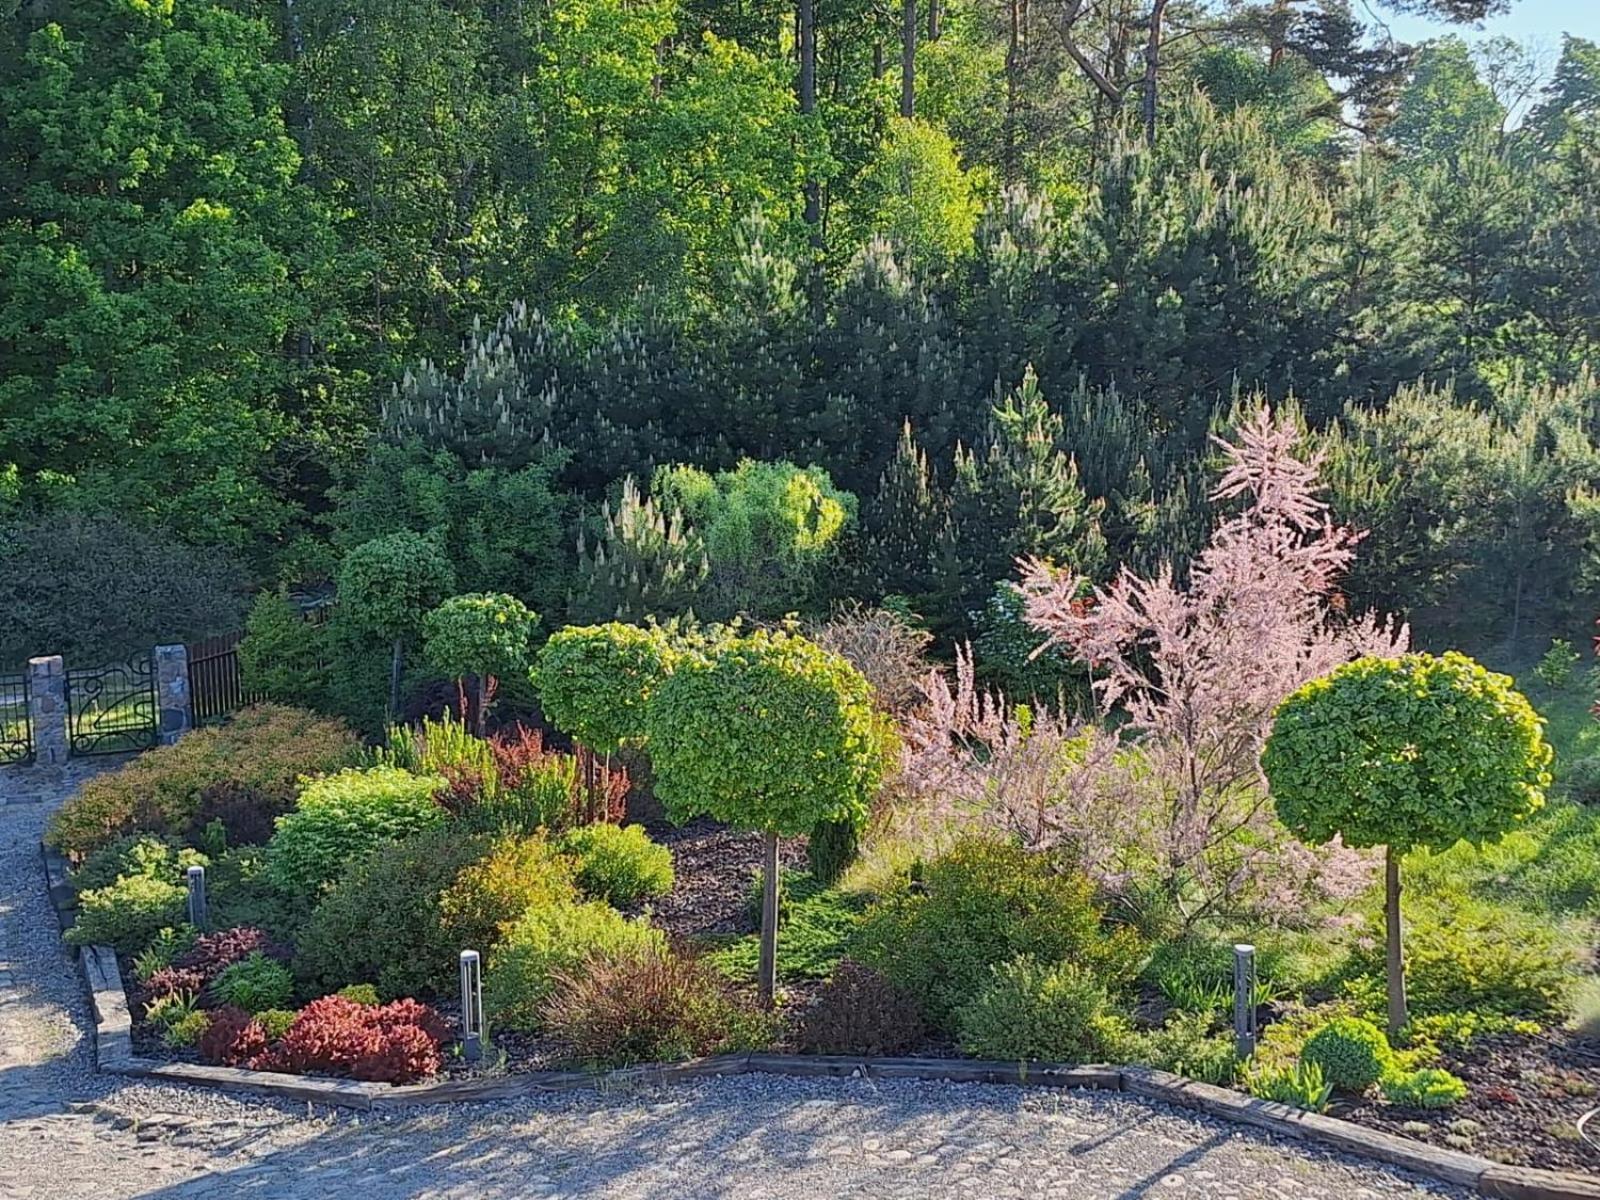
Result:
<point x="338" y="818"/>
<point x="1430" y="1087"/>
<point x="618" y="863"/>
<point x="128" y="914"/>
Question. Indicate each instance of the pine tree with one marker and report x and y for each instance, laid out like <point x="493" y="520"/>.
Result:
<point x="640" y="562"/>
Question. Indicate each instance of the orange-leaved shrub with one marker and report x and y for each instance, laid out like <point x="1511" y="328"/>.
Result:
<point x="391" y="1043"/>
<point x="266" y="748"/>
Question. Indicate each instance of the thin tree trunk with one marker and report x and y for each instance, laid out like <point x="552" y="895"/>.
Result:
<point x="1152" y="62"/>
<point x="395" y="665"/>
<point x="908" y="58"/>
<point x="1392" y="936"/>
<point x="767" y="980"/>
<point x="1008" y="159"/>
<point x="481" y="717"/>
<point x="934" y="20"/>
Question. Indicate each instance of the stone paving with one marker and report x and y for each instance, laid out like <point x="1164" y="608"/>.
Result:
<point x="68" y="1133"/>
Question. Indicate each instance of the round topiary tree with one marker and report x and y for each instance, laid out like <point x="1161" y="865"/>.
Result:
<point x="767" y="732"/>
<point x="594" y="681"/>
<point x="385" y="587"/>
<point x="1406" y="752"/>
<point x="482" y="637"/>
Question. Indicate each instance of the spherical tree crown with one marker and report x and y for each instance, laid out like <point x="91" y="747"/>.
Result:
<point x="1402" y="752"/>
<point x="479" y="633"/>
<point x="766" y="732"/>
<point x="388" y="583"/>
<point x="595" y="680"/>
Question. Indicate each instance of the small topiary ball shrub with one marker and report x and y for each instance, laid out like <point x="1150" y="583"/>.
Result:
<point x="618" y="863"/>
<point x="266" y="747"/>
<point x="232" y="1038"/>
<point x="551" y="940"/>
<point x="128" y="914"/>
<point x="1035" y="1011"/>
<point x="254" y="984"/>
<point x="643" y="1003"/>
<point x="394" y="1043"/>
<point x="858" y="1011"/>
<point x="139" y="854"/>
<point x="595" y="681"/>
<point x="1353" y="1053"/>
<point x="339" y="818"/>
<point x="1431" y="1087"/>
<point x="489" y="896"/>
<point x="381" y="922"/>
<point x="981" y="904"/>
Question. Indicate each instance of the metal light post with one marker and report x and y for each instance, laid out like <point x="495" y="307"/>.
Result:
<point x="471" y="1006"/>
<point x="197" y="897"/>
<point x="1244" y="999"/>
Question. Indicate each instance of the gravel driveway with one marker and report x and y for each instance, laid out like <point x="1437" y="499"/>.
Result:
<point x="67" y="1133"/>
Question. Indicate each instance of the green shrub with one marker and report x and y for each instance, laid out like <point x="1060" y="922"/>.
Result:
<point x="981" y="904"/>
<point x="283" y="656"/>
<point x="1431" y="1087"/>
<point x="241" y="891"/>
<point x="137" y="854"/>
<point x="254" y="984"/>
<point x="186" y="1030"/>
<point x="491" y="895"/>
<point x="594" y="681"/>
<point x="361" y="993"/>
<point x="381" y="922"/>
<point x="1185" y="1045"/>
<point x="1036" y="1011"/>
<point x="832" y="847"/>
<point x="618" y="863"/>
<point x="338" y="818"/>
<point x="129" y="914"/>
<point x="1556" y="668"/>
<point x="267" y="747"/>
<point x="643" y="1003"/>
<point x="548" y="941"/>
<point x="275" y="1022"/>
<point x="1353" y="1053"/>
<point x="160" y="953"/>
<point x="1469" y="957"/>
<point x="1581" y="779"/>
<point x="1302" y="1085"/>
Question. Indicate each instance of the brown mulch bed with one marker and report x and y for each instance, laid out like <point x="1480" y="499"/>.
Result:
<point x="1525" y="1097"/>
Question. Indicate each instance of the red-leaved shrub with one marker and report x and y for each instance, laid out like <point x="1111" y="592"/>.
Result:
<point x="232" y="1038"/>
<point x="212" y="952"/>
<point x="394" y="1043"/>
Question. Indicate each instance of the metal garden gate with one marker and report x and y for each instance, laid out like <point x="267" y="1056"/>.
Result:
<point x="112" y="710"/>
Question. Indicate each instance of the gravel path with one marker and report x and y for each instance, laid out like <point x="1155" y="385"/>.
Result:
<point x="67" y="1133"/>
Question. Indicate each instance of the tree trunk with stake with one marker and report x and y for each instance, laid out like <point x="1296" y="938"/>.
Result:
<point x="768" y="974"/>
<point x="1395" y="958"/>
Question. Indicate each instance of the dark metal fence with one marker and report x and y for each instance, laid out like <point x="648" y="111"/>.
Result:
<point x="16" y="724"/>
<point x="111" y="710"/>
<point x="216" y="684"/>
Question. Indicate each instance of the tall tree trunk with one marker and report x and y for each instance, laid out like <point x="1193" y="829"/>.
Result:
<point x="808" y="105"/>
<point x="1152" y="67"/>
<point x="395" y="664"/>
<point x="908" y="57"/>
<point x="878" y="68"/>
<point x="1394" y="953"/>
<point x="767" y="979"/>
<point x="935" y="26"/>
<point x="1008" y="156"/>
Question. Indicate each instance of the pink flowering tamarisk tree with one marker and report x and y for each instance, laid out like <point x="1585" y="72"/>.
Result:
<point x="1188" y="673"/>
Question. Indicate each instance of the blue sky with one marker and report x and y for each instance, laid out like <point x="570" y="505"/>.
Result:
<point x="1538" y="21"/>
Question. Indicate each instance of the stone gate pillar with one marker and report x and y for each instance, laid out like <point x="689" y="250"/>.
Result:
<point x="172" y="692"/>
<point x="47" y="710"/>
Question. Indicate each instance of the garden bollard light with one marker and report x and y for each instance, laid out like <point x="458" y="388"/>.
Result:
<point x="197" y="897"/>
<point x="1244" y="1000"/>
<point x="471" y="1006"/>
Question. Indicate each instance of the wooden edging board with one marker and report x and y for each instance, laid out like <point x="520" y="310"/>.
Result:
<point x="114" y="1054"/>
